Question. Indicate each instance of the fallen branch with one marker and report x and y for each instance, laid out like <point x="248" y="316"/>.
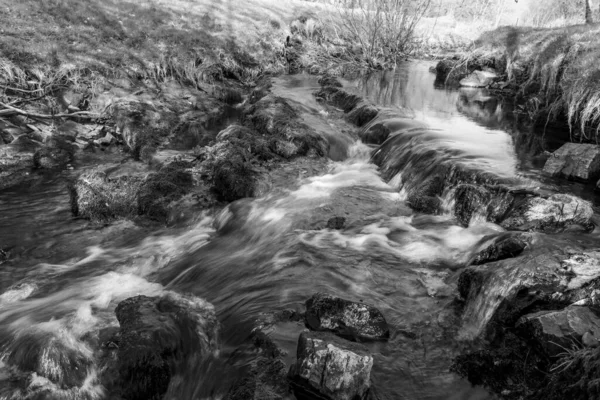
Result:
<point x="10" y="110"/>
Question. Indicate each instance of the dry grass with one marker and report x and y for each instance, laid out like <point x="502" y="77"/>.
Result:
<point x="561" y="63"/>
<point x="194" y="41"/>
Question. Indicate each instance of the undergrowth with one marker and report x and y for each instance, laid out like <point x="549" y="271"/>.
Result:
<point x="557" y="70"/>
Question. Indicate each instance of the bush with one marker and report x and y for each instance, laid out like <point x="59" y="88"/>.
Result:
<point x="383" y="28"/>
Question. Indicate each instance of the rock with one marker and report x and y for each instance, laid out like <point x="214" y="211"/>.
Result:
<point x="379" y="131"/>
<point x="331" y="368"/>
<point x="63" y="361"/>
<point x="267" y="379"/>
<point x="56" y="153"/>
<point x="158" y="336"/>
<point x="328" y="80"/>
<point x="362" y="114"/>
<point x="336" y="223"/>
<point x="16" y="161"/>
<point x="338" y="98"/>
<point x="479" y="79"/>
<point x="501" y="249"/>
<point x="97" y="196"/>
<point x="354" y="321"/>
<point x="470" y="201"/>
<point x="498" y="295"/>
<point x="106" y="140"/>
<point x="575" y="161"/>
<point x="559" y="331"/>
<point x="283" y="128"/>
<point x="554" y="214"/>
<point x="160" y="189"/>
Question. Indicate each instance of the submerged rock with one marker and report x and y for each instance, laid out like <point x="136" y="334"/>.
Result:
<point x="16" y="162"/>
<point x="336" y="223"/>
<point x="328" y="367"/>
<point x="554" y="214"/>
<point x="61" y="360"/>
<point x="355" y="321"/>
<point x="267" y="379"/>
<point x="158" y="336"/>
<point x="575" y="161"/>
<point x="558" y="331"/>
<point x="470" y="201"/>
<point x="504" y="247"/>
<point x="57" y="153"/>
<point x="338" y="98"/>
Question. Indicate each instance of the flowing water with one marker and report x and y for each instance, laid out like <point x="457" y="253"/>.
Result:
<point x="64" y="278"/>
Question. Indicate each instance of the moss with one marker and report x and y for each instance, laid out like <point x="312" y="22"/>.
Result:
<point x="95" y="197"/>
<point x="338" y="98"/>
<point x="162" y="188"/>
<point x="362" y="115"/>
<point x="233" y="176"/>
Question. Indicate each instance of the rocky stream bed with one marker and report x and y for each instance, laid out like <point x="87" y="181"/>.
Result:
<point x="307" y="239"/>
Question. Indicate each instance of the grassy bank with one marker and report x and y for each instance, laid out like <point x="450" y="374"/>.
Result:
<point x="43" y="42"/>
<point x="555" y="71"/>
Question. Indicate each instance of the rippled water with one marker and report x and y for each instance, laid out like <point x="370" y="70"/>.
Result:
<point x="64" y="278"/>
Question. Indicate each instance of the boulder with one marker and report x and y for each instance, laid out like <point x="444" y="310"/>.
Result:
<point x="61" y="360"/>
<point x="328" y="367"/>
<point x="160" y="189"/>
<point x="502" y="248"/>
<point x="338" y="98"/>
<point x="362" y="114"/>
<point x="470" y="201"/>
<point x="16" y="161"/>
<point x="158" y="335"/>
<point x="267" y="379"/>
<point x="354" y="321"/>
<point x="479" y="79"/>
<point x="559" y="331"/>
<point x="97" y="196"/>
<point x="575" y="161"/>
<point x="553" y="214"/>
<point x="283" y="128"/>
<point x="336" y="223"/>
<point x="328" y="80"/>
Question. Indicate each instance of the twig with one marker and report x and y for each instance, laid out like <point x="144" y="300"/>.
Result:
<point x="10" y="110"/>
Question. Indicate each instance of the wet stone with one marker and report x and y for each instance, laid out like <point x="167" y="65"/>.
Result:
<point x="267" y="379"/>
<point x="479" y="79"/>
<point x="575" y="161"/>
<point x="157" y="334"/>
<point x="336" y="223"/>
<point x="354" y="321"/>
<point x="558" y="331"/>
<point x="554" y="214"/>
<point x="362" y="114"/>
<point x="328" y="367"/>
<point x="470" y="200"/>
<point x="500" y="250"/>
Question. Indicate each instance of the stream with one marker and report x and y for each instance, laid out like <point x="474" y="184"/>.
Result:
<point x="65" y="277"/>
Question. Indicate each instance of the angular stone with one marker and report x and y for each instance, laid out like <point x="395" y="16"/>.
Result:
<point x="500" y="250"/>
<point x="328" y="367"/>
<point x="559" y="331"/>
<point x="354" y="321"/>
<point x="470" y="200"/>
<point x="575" y="161"/>
<point x="479" y="79"/>
<point x="362" y="114"/>
<point x="553" y="214"/>
<point x="158" y="332"/>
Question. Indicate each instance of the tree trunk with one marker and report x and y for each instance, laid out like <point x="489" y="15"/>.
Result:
<point x="588" y="12"/>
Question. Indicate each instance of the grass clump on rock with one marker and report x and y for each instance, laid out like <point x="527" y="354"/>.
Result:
<point x="97" y="197"/>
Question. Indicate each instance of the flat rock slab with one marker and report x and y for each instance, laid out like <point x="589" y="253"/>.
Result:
<point x="575" y="161"/>
<point x="332" y="368"/>
<point x="558" y="331"/>
<point x="354" y="321"/>
<point x="551" y="214"/>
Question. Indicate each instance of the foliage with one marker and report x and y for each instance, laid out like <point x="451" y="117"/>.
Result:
<point x="382" y="28"/>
